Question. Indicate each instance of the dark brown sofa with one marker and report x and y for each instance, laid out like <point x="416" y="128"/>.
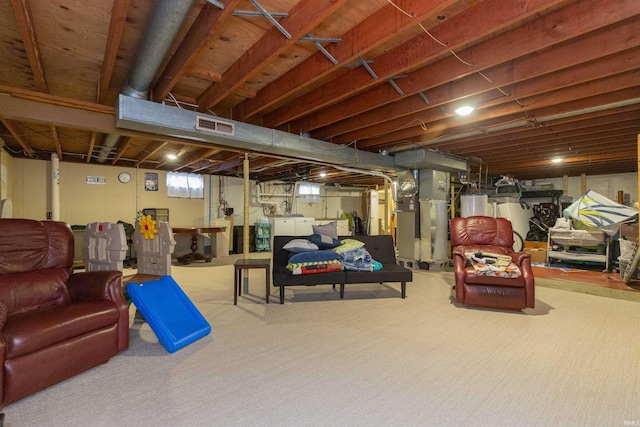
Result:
<point x="380" y="247"/>
<point x="494" y="235"/>
<point x="55" y="323"/>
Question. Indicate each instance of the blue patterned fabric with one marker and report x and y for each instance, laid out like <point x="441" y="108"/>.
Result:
<point x="356" y="260"/>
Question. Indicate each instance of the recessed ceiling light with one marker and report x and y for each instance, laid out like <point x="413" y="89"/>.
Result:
<point x="465" y="110"/>
<point x="556" y="160"/>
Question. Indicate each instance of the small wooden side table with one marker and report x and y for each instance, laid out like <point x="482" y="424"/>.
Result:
<point x="246" y="264"/>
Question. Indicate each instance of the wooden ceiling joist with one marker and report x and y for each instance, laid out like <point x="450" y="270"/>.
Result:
<point x="116" y="27"/>
<point x="16" y="135"/>
<point x="204" y="27"/>
<point x="372" y="32"/>
<point x="303" y="17"/>
<point x="22" y="11"/>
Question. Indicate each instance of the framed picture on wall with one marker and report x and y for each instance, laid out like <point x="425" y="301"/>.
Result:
<point x="151" y="181"/>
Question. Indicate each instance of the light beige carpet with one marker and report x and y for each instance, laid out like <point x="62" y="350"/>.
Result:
<point x="372" y="359"/>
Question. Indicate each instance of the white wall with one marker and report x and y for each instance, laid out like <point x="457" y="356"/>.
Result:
<point x="606" y="185"/>
<point x="82" y="203"/>
<point x="28" y="183"/>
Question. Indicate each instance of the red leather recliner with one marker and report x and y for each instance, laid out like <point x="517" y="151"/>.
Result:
<point x="54" y="323"/>
<point x="495" y="235"/>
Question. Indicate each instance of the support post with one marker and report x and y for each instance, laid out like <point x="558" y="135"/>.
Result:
<point x="245" y="229"/>
<point x="55" y="187"/>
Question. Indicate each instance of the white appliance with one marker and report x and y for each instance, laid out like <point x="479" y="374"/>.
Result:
<point x="342" y="225"/>
<point x="290" y="226"/>
<point x="519" y="215"/>
<point x="303" y="226"/>
<point x="282" y="226"/>
<point x="473" y="205"/>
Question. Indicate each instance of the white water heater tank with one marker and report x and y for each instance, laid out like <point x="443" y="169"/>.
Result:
<point x="474" y="205"/>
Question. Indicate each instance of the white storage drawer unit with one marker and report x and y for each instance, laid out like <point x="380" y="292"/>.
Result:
<point x="290" y="226"/>
<point x="284" y="226"/>
<point x="303" y="226"/>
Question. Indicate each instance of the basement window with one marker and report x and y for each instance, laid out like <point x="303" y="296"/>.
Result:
<point x="185" y="185"/>
<point x="311" y="192"/>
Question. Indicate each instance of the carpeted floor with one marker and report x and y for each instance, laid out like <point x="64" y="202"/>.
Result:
<point x="372" y="359"/>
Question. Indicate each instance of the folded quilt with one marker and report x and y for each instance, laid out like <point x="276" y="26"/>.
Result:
<point x="357" y="260"/>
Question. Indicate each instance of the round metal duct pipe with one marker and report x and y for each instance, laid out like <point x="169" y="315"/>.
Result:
<point x="162" y="28"/>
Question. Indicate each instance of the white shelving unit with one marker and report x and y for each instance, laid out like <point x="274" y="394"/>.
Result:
<point x="578" y="246"/>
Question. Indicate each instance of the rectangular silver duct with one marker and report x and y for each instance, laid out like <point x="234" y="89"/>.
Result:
<point x="146" y="116"/>
<point x="428" y="159"/>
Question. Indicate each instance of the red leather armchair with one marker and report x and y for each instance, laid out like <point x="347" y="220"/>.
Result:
<point x="54" y="323"/>
<point x="495" y="235"/>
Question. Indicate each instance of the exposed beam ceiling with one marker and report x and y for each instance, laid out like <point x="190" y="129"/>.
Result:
<point x="548" y="78"/>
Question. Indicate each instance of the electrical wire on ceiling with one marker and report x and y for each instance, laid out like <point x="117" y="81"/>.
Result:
<point x="452" y="52"/>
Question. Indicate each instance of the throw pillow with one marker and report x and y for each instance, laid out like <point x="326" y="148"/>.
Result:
<point x="300" y="245"/>
<point x="349" y="245"/>
<point x="316" y="256"/>
<point x="330" y="229"/>
<point x="324" y="242"/>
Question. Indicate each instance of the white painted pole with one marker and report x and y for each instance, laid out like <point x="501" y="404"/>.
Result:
<point x="245" y="229"/>
<point x="55" y="187"/>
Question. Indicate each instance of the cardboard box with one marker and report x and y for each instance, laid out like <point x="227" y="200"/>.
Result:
<point x="629" y="231"/>
<point x="529" y="244"/>
<point x="537" y="255"/>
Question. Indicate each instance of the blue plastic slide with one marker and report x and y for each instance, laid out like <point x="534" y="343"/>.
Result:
<point x="170" y="313"/>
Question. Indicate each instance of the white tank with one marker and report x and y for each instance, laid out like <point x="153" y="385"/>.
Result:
<point x="473" y="205"/>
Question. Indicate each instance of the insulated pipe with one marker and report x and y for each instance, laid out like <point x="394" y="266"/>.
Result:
<point x="374" y="173"/>
<point x="259" y="195"/>
<point x="55" y="187"/>
<point x="163" y="26"/>
<point x="108" y="143"/>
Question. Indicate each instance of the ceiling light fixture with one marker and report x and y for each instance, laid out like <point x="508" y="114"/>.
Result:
<point x="556" y="160"/>
<point x="323" y="174"/>
<point x="172" y="156"/>
<point x="465" y="110"/>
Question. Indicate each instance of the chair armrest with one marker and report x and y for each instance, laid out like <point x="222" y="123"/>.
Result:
<point x="97" y="285"/>
<point x="459" y="259"/>
<point x="519" y="257"/>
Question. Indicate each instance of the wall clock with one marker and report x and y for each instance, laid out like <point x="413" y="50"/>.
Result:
<point x="124" y="177"/>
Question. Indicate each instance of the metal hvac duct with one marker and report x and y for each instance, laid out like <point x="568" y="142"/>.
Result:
<point x="163" y="26"/>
